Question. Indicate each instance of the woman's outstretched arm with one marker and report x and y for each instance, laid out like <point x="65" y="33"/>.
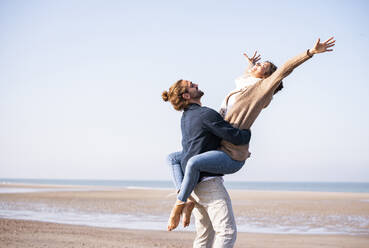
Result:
<point x="272" y="82"/>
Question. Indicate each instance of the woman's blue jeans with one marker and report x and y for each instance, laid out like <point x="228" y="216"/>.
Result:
<point x="217" y="162"/>
<point x="174" y="162"/>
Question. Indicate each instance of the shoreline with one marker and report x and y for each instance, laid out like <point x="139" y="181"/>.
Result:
<point x="264" y="212"/>
<point x="117" y="188"/>
<point x="337" y="187"/>
<point x="16" y="233"/>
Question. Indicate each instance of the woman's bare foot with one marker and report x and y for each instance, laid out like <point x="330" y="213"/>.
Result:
<point x="187" y="211"/>
<point x="175" y="216"/>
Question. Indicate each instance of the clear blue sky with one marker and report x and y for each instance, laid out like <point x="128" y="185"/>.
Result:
<point x="80" y="85"/>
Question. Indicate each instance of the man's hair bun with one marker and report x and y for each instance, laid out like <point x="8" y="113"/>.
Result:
<point x="165" y="95"/>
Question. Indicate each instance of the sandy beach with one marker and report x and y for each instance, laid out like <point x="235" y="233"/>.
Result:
<point x="16" y="233"/>
<point x="122" y="217"/>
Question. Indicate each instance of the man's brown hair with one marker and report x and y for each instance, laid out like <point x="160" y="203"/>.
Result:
<point x="175" y="95"/>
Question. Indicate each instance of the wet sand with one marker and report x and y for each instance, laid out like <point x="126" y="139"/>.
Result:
<point x="32" y="234"/>
<point x="312" y="209"/>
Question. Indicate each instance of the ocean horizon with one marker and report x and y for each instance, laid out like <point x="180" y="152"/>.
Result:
<point x="352" y="187"/>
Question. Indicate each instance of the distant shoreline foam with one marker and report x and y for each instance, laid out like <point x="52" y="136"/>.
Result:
<point x="261" y="186"/>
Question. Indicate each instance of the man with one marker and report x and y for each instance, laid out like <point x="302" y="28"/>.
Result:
<point x="202" y="131"/>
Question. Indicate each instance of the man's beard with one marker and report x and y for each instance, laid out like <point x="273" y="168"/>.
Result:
<point x="197" y="95"/>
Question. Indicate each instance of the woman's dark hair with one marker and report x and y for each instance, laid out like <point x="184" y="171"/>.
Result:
<point x="272" y="69"/>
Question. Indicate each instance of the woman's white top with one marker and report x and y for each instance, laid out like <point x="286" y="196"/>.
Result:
<point x="241" y="82"/>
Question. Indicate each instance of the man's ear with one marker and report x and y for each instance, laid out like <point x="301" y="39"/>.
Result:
<point x="186" y="96"/>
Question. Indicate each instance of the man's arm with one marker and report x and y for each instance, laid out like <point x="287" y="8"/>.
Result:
<point x="214" y="123"/>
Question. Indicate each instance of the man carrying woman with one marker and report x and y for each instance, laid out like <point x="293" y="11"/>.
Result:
<point x="241" y="108"/>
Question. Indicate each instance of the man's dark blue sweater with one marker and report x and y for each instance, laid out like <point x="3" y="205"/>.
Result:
<point x="202" y="130"/>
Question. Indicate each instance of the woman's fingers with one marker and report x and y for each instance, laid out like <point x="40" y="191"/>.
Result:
<point x="317" y="42"/>
<point x="328" y="40"/>
<point x="247" y="57"/>
<point x="255" y="57"/>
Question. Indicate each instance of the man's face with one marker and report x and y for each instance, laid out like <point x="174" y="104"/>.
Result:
<point x="193" y="90"/>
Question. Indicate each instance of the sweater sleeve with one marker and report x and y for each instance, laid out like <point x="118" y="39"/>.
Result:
<point x="272" y="82"/>
<point x="214" y="123"/>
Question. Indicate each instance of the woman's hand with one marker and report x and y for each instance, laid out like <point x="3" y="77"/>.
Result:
<point x="322" y="47"/>
<point x="255" y="58"/>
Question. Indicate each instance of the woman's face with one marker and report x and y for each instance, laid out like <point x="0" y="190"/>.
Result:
<point x="259" y="69"/>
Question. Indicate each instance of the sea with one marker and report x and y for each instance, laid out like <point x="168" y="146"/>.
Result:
<point x="354" y="187"/>
<point x="292" y="224"/>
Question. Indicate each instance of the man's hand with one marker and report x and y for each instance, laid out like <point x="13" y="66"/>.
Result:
<point x="255" y="58"/>
<point x="322" y="47"/>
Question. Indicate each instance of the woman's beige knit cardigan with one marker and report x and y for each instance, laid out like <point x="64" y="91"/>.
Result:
<point x="251" y="100"/>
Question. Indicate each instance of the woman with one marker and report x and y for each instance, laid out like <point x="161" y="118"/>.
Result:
<point x="240" y="108"/>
